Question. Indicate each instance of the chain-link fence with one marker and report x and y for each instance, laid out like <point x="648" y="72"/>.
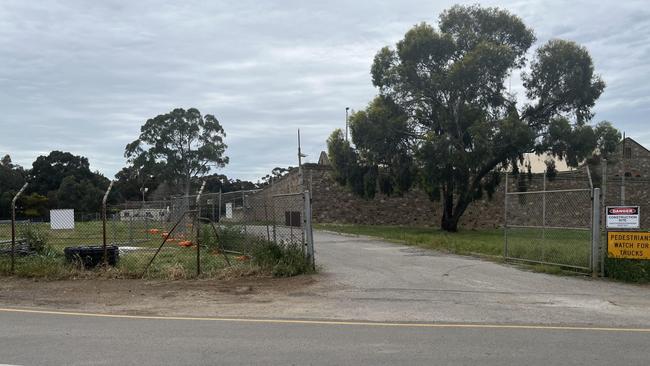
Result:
<point x="41" y="241"/>
<point x="175" y="238"/>
<point x="635" y="191"/>
<point x="549" y="226"/>
<point x="247" y="218"/>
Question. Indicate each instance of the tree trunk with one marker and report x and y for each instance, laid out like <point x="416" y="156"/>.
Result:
<point x="187" y="188"/>
<point x="449" y="224"/>
<point x="187" y="184"/>
<point x="453" y="212"/>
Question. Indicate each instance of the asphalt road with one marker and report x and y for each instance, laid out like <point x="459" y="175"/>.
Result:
<point x="51" y="339"/>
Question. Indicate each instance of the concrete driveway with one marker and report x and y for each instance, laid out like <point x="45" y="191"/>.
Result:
<point x="374" y="280"/>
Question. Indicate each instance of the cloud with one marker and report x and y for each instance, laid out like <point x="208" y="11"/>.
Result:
<point x="84" y="76"/>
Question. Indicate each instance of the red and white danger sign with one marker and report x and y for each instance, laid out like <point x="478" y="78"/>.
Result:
<point x="623" y="217"/>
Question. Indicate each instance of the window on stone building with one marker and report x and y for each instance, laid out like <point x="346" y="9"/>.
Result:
<point x="627" y="154"/>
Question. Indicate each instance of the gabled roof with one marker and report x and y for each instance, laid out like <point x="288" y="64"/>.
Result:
<point x="629" y="139"/>
<point x="323" y="159"/>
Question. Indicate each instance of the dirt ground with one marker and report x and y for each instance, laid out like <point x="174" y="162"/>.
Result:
<point x="143" y="297"/>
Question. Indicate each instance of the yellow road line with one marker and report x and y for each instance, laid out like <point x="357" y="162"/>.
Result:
<point x="329" y="322"/>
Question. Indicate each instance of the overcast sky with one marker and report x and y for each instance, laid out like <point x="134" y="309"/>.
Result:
<point x="83" y="76"/>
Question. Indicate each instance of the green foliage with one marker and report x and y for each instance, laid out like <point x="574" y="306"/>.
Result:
<point x="12" y="177"/>
<point x="607" y="139"/>
<point x="82" y="195"/>
<point x="35" y="205"/>
<point x="131" y="179"/>
<point x="48" y="172"/>
<point x="276" y="174"/>
<point x="629" y="270"/>
<point x="37" y="239"/>
<point x="444" y="119"/>
<point x="61" y="179"/>
<point x="342" y="157"/>
<point x="180" y="145"/>
<point x="484" y="242"/>
<point x="230" y="238"/>
<point x="49" y="265"/>
<point x="281" y="260"/>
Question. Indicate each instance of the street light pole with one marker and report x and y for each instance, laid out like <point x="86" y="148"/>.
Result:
<point x="143" y="188"/>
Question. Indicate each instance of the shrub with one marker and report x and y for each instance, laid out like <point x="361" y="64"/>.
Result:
<point x="36" y="239"/>
<point x="629" y="270"/>
<point x="281" y="260"/>
<point x="228" y="238"/>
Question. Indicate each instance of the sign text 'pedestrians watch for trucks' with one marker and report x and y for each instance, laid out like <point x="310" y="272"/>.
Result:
<point x="623" y="217"/>
<point x="628" y="244"/>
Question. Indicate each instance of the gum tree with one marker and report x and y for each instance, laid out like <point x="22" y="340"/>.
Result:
<point x="445" y="120"/>
<point x="179" y="145"/>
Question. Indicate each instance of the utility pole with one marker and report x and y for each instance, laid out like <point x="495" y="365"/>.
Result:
<point x="299" y="152"/>
<point x="346" y="123"/>
<point x="300" y="156"/>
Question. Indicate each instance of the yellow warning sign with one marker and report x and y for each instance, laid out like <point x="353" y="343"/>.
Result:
<point x="628" y="244"/>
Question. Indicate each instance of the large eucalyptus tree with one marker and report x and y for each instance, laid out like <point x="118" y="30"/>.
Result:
<point x="444" y="118"/>
<point x="179" y="145"/>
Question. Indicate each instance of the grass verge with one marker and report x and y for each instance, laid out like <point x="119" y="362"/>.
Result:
<point x="484" y="243"/>
<point x="566" y="246"/>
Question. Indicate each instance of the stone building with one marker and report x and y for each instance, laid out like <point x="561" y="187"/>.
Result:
<point x="628" y="178"/>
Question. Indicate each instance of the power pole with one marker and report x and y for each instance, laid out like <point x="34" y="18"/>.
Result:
<point x="346" y="123"/>
<point x="300" y="156"/>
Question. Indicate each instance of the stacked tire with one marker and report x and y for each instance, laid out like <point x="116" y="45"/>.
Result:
<point x="92" y="256"/>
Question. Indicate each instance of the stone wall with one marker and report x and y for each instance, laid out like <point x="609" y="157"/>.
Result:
<point x="332" y="203"/>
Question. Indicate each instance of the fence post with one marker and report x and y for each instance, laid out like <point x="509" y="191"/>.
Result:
<point x="505" y="220"/>
<point x="243" y="211"/>
<point x="595" y="233"/>
<point x="219" y="211"/>
<point x="308" y="227"/>
<point x="104" y="200"/>
<point x="266" y="219"/>
<point x="13" y="226"/>
<point x="544" y="215"/>
<point x="198" y="230"/>
<point x="603" y="205"/>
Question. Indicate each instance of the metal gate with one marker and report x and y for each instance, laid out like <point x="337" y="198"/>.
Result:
<point x="552" y="227"/>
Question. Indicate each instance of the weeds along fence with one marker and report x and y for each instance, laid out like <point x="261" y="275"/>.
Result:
<point x="175" y="238"/>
